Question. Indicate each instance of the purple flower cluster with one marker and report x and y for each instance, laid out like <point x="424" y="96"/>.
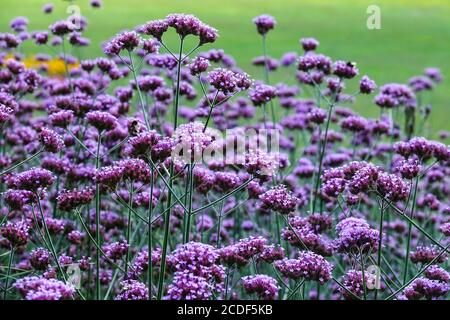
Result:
<point x="184" y="189"/>
<point x="279" y="200"/>
<point x="37" y="288"/>
<point x="263" y="286"/>
<point x="308" y="266"/>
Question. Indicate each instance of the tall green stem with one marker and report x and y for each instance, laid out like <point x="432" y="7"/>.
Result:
<point x="150" y="245"/>
<point x="322" y="153"/>
<point x="141" y="99"/>
<point x="97" y="219"/>
<point x="8" y="273"/>
<point x="266" y="75"/>
<point x="408" y="241"/>
<point x="380" y="247"/>
<point x="189" y="212"/>
<point x="130" y="207"/>
<point x="171" y="171"/>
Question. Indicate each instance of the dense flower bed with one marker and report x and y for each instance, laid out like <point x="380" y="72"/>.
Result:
<point x="107" y="192"/>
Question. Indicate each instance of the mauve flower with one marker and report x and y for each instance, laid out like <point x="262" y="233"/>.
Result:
<point x="134" y="170"/>
<point x="420" y="83"/>
<point x="261" y="94"/>
<point x="127" y="40"/>
<point x="207" y="34"/>
<point x="308" y="265"/>
<point x="409" y="168"/>
<point x="47" y="8"/>
<point x="435" y="272"/>
<point x="366" y="85"/>
<point x="434" y="74"/>
<point x="264" y="23"/>
<point x="150" y="46"/>
<point x="223" y="80"/>
<point x="132" y="290"/>
<point x="70" y="200"/>
<point x="109" y="176"/>
<point x="345" y="69"/>
<point x="116" y="250"/>
<point x="425" y="288"/>
<point x="155" y="28"/>
<point x="60" y="28"/>
<point x="353" y="282"/>
<point x="51" y="141"/>
<point x="16" y="233"/>
<point x="445" y="229"/>
<point x="198" y="65"/>
<point x="34" y="179"/>
<point x="61" y="118"/>
<point x="356" y="235"/>
<point x="309" y="44"/>
<point x="425" y="255"/>
<point x="263" y="286"/>
<point x="17" y="199"/>
<point x="36" y="288"/>
<point x="289" y="59"/>
<point x="392" y="187"/>
<point x="272" y="253"/>
<point x="184" y="24"/>
<point x="315" y="61"/>
<point x="279" y="199"/>
<point x="40" y="258"/>
<point x="101" y="120"/>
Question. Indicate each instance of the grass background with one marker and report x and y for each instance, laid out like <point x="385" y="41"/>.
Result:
<point x="414" y="34"/>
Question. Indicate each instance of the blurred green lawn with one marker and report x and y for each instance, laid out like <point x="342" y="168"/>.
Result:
<point x="414" y="33"/>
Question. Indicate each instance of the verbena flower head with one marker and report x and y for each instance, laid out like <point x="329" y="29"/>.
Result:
<point x="426" y="288"/>
<point x="191" y="140"/>
<point x="51" y="141"/>
<point x="73" y="199"/>
<point x="308" y="265"/>
<point x="435" y="272"/>
<point x="353" y="284"/>
<point x="309" y="44"/>
<point x="198" y="65"/>
<point x="16" y="233"/>
<point x="434" y="74"/>
<point x="345" y="69"/>
<point x="263" y="286"/>
<point x="134" y="170"/>
<point x="261" y="94"/>
<point x="37" y="288"/>
<point x="101" y="120"/>
<point x="132" y="290"/>
<point x="40" y="258"/>
<point x="155" y="28"/>
<point x="223" y="80"/>
<point x="17" y="199"/>
<point x="61" y="118"/>
<point x="60" y="28"/>
<point x="366" y="85"/>
<point x="264" y="23"/>
<point x="425" y="255"/>
<point x="355" y="236"/>
<point x="184" y="24"/>
<point x="34" y="179"/>
<point x="109" y="176"/>
<point x="279" y="199"/>
<point x="128" y="40"/>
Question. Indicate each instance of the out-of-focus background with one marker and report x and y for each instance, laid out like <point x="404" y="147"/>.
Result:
<point x="414" y="34"/>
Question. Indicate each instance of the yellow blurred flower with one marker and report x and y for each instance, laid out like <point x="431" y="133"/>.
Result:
<point x="54" y="67"/>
